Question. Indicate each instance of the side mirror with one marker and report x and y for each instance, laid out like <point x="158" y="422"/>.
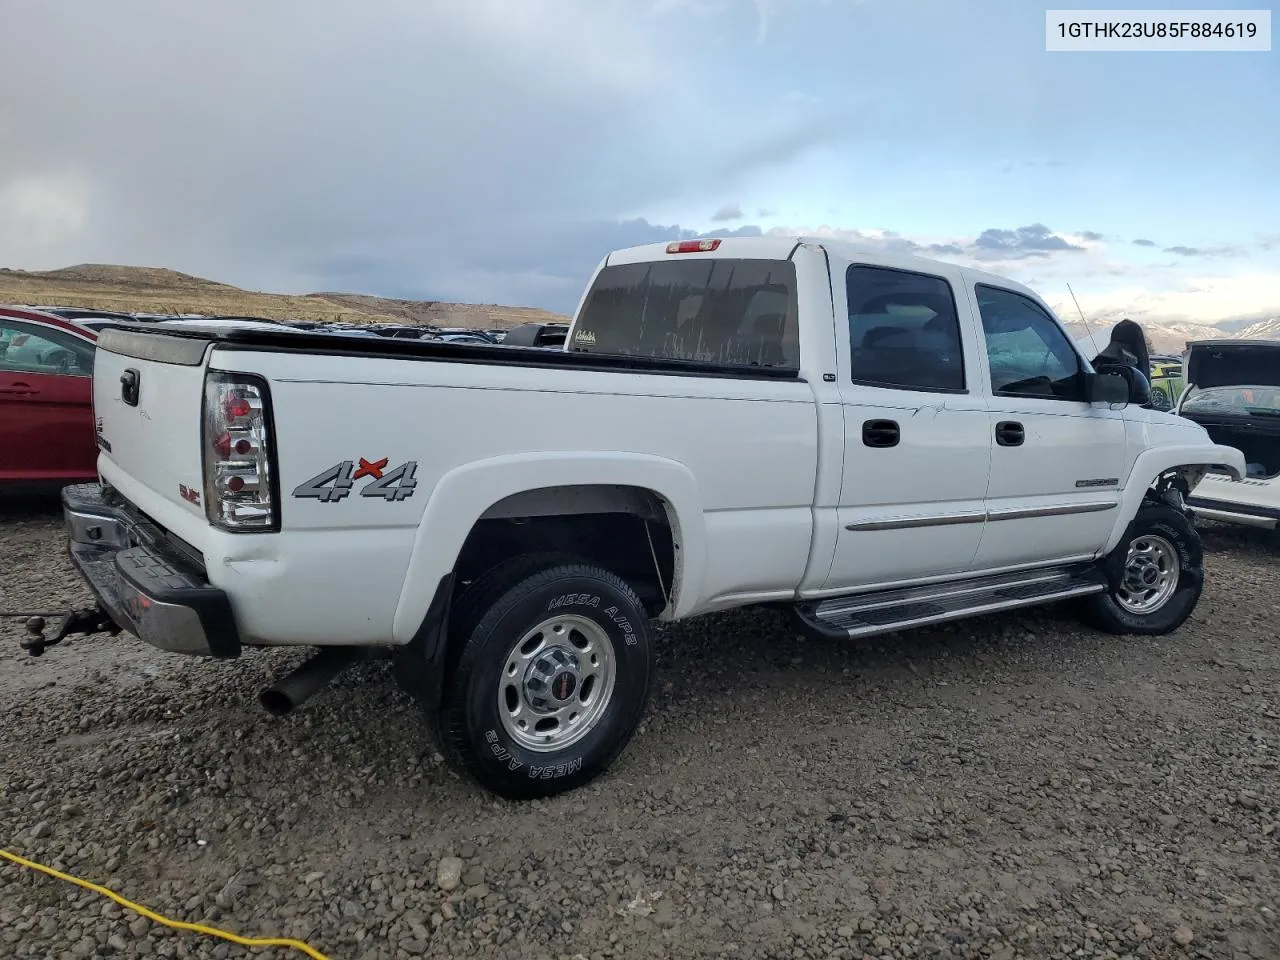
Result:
<point x="1110" y="387"/>
<point x="1117" y="384"/>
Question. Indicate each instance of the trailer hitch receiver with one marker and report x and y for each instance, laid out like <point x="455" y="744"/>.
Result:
<point x="86" y="621"/>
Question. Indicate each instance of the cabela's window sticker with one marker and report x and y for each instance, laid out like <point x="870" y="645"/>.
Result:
<point x="584" y="336"/>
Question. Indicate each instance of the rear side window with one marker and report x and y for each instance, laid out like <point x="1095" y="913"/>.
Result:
<point x="904" y="332"/>
<point x="733" y="312"/>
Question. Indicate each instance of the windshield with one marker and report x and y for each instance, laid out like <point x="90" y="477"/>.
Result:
<point x="1246" y="401"/>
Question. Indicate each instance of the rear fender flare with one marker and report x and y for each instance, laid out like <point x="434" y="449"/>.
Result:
<point x="464" y="494"/>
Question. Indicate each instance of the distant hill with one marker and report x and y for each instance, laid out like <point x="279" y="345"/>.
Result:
<point x="103" y="286"/>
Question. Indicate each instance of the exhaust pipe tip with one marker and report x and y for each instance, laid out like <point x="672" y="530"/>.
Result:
<point x="276" y="702"/>
<point x="289" y="692"/>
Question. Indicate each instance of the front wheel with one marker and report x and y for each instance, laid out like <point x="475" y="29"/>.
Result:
<point x="550" y="683"/>
<point x="1155" y="575"/>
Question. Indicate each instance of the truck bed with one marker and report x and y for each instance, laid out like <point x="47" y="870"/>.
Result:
<point x="122" y="337"/>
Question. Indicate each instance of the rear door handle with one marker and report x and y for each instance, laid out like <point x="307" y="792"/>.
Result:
<point x="1009" y="433"/>
<point x="881" y="433"/>
<point x="18" y="390"/>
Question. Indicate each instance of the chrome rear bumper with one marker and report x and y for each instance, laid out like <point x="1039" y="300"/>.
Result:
<point x="146" y="586"/>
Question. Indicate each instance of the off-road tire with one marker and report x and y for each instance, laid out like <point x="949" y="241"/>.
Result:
<point x="491" y="620"/>
<point x="1170" y="526"/>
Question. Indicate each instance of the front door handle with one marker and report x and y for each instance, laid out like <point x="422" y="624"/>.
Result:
<point x="1009" y="433"/>
<point x="881" y="433"/>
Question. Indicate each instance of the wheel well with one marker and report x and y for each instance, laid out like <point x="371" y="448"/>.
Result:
<point x="1175" y="485"/>
<point x="630" y="531"/>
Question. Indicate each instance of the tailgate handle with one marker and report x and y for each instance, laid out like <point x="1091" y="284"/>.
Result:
<point x="129" y="386"/>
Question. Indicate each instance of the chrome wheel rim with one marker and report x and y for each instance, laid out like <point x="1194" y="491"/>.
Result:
<point x="556" y="683"/>
<point x="1150" y="577"/>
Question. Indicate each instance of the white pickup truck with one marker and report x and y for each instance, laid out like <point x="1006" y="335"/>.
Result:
<point x="874" y="442"/>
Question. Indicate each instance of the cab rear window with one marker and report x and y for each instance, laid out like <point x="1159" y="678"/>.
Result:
<point x="736" y="312"/>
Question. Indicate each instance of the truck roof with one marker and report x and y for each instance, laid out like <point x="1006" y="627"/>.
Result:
<point x="776" y="246"/>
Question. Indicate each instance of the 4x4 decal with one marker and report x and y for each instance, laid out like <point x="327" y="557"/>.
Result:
<point x="336" y="483"/>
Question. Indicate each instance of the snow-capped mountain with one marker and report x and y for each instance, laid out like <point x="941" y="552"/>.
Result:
<point x="1262" y="330"/>
<point x="1173" y="336"/>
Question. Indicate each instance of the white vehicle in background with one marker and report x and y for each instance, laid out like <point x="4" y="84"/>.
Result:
<point x="1233" y="391"/>
<point x="873" y="442"/>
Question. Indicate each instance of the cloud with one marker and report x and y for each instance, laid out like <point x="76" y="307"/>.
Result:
<point x="1203" y="251"/>
<point x="260" y="160"/>
<point x="41" y="212"/>
<point x="766" y="212"/>
<point x="1145" y="243"/>
<point x="730" y="211"/>
<point x="1036" y="240"/>
<point x="1091" y="235"/>
<point x="990" y="246"/>
<point x="1194" y="299"/>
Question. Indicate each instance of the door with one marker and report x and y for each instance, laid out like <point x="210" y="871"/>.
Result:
<point x="46" y="404"/>
<point x="917" y="447"/>
<point x="1057" y="460"/>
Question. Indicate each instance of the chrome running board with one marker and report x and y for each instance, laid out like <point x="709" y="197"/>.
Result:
<point x="885" y="611"/>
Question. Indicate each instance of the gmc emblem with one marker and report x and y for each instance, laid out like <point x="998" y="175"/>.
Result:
<point x="189" y="494"/>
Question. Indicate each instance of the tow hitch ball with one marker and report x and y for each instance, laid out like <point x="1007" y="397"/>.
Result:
<point x="86" y="621"/>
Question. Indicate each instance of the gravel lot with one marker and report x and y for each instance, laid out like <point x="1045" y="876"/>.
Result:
<point x="1011" y="787"/>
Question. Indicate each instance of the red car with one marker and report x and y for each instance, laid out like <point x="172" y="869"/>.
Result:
<point x="47" y="435"/>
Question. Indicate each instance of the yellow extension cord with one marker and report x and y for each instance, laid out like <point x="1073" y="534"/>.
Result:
<point x="165" y="921"/>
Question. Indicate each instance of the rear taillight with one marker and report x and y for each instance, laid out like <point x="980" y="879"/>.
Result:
<point x="238" y="484"/>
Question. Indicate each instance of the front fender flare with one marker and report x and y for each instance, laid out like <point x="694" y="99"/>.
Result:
<point x="462" y="496"/>
<point x="1152" y="463"/>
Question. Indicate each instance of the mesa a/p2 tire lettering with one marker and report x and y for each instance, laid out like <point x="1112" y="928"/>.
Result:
<point x="550" y="682"/>
<point x="534" y="772"/>
<point x="619" y="618"/>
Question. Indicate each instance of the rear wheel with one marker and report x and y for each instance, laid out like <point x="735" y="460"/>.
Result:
<point x="1155" y="575"/>
<point x="550" y="679"/>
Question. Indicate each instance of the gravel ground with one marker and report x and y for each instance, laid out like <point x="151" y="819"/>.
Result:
<point x="1011" y="787"/>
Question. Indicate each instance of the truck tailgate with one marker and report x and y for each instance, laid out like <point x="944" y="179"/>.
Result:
<point x="148" y="389"/>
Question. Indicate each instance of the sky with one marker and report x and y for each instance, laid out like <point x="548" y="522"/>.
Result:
<point x="494" y="151"/>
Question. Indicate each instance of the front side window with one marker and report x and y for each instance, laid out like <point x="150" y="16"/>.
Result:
<point x="29" y="348"/>
<point x="736" y="312"/>
<point x="1029" y="354"/>
<point x="904" y="332"/>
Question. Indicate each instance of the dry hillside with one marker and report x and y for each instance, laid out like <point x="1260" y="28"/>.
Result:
<point x="156" y="290"/>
